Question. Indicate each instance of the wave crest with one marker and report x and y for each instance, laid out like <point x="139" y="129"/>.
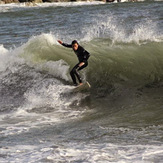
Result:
<point x="113" y="28"/>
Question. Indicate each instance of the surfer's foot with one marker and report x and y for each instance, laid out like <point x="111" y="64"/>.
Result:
<point x="75" y="84"/>
<point x="81" y="84"/>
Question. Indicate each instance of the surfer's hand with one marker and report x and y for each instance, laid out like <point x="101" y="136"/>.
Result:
<point x="81" y="64"/>
<point x="60" y="41"/>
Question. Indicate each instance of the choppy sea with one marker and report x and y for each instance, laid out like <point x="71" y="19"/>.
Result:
<point x="120" y="119"/>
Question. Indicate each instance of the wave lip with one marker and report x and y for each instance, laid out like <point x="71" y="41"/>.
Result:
<point x="114" y="29"/>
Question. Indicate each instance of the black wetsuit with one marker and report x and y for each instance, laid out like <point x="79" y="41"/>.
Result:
<point x="83" y="56"/>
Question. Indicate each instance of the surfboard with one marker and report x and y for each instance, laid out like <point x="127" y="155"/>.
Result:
<point x="84" y="87"/>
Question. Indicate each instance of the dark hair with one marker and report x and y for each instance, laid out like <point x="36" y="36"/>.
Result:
<point x="74" y="42"/>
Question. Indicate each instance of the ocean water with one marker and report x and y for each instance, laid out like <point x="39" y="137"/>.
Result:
<point x="120" y="119"/>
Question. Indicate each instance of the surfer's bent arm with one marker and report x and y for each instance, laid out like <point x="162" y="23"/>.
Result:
<point x="86" y="55"/>
<point x="84" y="58"/>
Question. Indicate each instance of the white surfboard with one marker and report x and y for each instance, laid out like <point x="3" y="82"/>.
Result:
<point x="84" y="87"/>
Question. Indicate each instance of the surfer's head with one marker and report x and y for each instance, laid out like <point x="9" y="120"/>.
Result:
<point x="75" y="45"/>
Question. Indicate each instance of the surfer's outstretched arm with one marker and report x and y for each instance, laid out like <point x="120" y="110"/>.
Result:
<point x="64" y="44"/>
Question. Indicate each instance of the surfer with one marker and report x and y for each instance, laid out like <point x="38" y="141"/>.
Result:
<point x="82" y="55"/>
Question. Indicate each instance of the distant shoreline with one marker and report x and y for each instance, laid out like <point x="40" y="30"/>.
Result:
<point x="34" y="2"/>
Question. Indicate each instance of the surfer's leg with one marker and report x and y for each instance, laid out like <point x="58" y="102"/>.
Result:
<point x="78" y="76"/>
<point x="78" y="69"/>
<point x="74" y="73"/>
<point x="85" y="65"/>
<point x="73" y="76"/>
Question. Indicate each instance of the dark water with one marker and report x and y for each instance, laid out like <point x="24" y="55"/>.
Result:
<point x="120" y="119"/>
